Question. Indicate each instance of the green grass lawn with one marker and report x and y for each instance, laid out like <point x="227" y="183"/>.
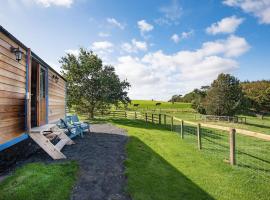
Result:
<point x="253" y="123"/>
<point x="40" y="181"/>
<point x="185" y="112"/>
<point x="162" y="166"/>
<point x="149" y="105"/>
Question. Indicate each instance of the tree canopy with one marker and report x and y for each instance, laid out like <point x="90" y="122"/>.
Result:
<point x="90" y="84"/>
<point x="257" y="94"/>
<point x="224" y="97"/>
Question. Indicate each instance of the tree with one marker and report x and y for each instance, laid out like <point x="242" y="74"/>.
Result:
<point x="257" y="94"/>
<point x="224" y="97"/>
<point x="90" y="85"/>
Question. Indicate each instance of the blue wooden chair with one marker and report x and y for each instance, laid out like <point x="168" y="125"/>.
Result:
<point x="71" y="130"/>
<point x="74" y="119"/>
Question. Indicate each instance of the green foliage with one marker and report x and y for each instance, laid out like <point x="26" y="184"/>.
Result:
<point x="39" y="181"/>
<point x="257" y="94"/>
<point x="195" y="98"/>
<point x="90" y="85"/>
<point x="224" y="97"/>
<point x="191" y="96"/>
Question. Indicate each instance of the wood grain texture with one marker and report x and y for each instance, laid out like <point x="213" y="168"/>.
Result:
<point x="10" y="88"/>
<point x="12" y="82"/>
<point x="12" y="69"/>
<point x="5" y="50"/>
<point x="9" y="136"/>
<point x="56" y="98"/>
<point x="12" y="91"/>
<point x="11" y="95"/>
<point x="11" y="75"/>
<point x="10" y="42"/>
<point x="4" y="109"/>
<point x="12" y="62"/>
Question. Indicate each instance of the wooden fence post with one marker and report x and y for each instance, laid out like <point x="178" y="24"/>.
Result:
<point x="199" y="136"/>
<point x="159" y="118"/>
<point x="182" y="129"/>
<point x="125" y="114"/>
<point x="232" y="146"/>
<point x="165" y="120"/>
<point x="135" y="115"/>
<point x="145" y="117"/>
<point x="171" y="123"/>
<point x="152" y="118"/>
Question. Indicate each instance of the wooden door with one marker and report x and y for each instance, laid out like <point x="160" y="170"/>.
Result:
<point x="41" y="96"/>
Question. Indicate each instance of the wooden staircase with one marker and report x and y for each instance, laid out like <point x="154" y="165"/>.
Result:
<point x="44" y="134"/>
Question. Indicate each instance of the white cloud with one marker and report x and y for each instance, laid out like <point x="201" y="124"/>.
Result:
<point x="103" y="45"/>
<point x="175" y="38"/>
<point x="184" y="35"/>
<point x="134" y="46"/>
<point x="103" y="49"/>
<point x="171" y="14"/>
<point x="144" y="26"/>
<point x="75" y="52"/>
<point x="115" y="23"/>
<point x="160" y="75"/>
<point x="226" y="25"/>
<point x="233" y="46"/>
<point x="102" y="34"/>
<point x="258" y="8"/>
<point x="48" y="3"/>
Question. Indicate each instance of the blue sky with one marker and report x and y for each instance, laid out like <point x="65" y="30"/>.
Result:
<point x="161" y="47"/>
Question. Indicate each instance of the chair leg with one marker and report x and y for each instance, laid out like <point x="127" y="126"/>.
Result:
<point x="82" y="133"/>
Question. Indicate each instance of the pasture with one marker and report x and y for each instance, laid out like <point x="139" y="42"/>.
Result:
<point x="253" y="123"/>
<point x="185" y="112"/>
<point x="160" y="165"/>
<point x="151" y="105"/>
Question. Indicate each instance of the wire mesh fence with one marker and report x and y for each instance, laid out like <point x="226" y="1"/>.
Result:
<point x="250" y="153"/>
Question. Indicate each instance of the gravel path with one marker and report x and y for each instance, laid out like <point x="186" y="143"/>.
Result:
<point x="100" y="155"/>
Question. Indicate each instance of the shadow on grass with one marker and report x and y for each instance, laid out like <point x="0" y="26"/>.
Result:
<point x="210" y="136"/>
<point x="140" y="124"/>
<point x="151" y="177"/>
<point x="257" y="125"/>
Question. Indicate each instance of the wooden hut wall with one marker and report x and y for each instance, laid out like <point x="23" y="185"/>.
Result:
<point x="57" y="92"/>
<point x="12" y="91"/>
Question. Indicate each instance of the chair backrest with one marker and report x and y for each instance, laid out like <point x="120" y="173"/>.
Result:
<point x="64" y="124"/>
<point x="75" y="118"/>
<point x="69" y="119"/>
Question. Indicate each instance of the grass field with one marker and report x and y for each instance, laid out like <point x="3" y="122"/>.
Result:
<point x="253" y="123"/>
<point x="148" y="104"/>
<point x="162" y="166"/>
<point x="40" y="181"/>
<point x="185" y="112"/>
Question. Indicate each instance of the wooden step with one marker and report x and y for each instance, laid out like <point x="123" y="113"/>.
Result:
<point x="61" y="144"/>
<point x="42" y="136"/>
<point x="47" y="146"/>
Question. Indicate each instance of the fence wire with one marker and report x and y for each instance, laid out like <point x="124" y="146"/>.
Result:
<point x="251" y="153"/>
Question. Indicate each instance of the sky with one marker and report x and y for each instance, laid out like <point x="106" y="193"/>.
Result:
<point x="162" y="47"/>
